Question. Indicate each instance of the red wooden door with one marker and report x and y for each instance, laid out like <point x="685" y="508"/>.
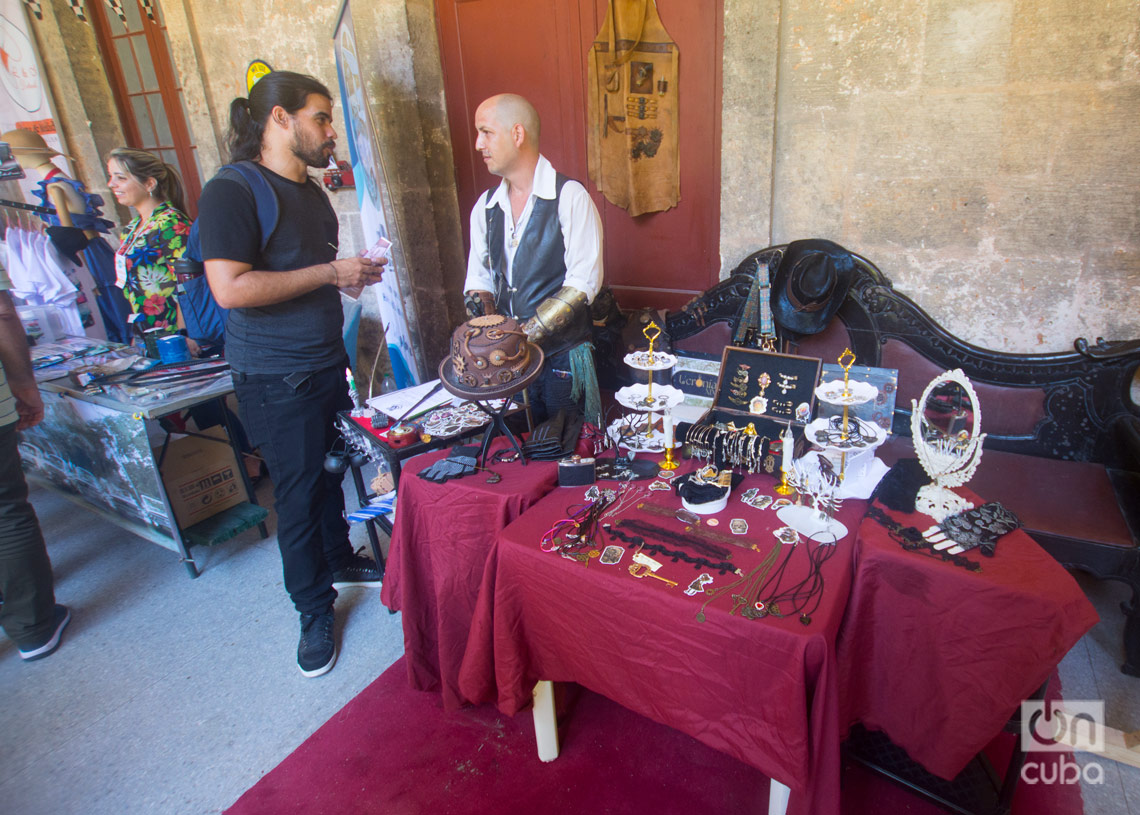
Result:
<point x="539" y="50"/>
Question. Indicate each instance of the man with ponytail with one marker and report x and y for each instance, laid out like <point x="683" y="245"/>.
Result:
<point x="283" y="335"/>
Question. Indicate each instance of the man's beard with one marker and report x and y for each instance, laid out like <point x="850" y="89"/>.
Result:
<point x="312" y="154"/>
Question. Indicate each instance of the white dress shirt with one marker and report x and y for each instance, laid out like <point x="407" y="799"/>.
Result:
<point x="577" y="215"/>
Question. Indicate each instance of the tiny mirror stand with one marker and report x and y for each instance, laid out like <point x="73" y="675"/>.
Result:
<point x="945" y="427"/>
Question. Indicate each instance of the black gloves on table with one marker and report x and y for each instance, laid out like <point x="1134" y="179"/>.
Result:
<point x="556" y="437"/>
<point x="460" y="461"/>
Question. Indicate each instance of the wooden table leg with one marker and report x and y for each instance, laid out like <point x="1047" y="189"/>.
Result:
<point x="545" y="721"/>
<point x="778" y="798"/>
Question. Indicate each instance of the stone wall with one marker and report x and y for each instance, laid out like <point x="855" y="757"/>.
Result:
<point x="985" y="155"/>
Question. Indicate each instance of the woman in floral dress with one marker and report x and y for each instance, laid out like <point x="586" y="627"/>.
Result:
<point x="144" y="263"/>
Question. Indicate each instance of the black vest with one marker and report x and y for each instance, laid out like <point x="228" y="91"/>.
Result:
<point x="539" y="269"/>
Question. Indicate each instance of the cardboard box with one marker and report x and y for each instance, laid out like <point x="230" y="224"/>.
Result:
<point x="201" y="477"/>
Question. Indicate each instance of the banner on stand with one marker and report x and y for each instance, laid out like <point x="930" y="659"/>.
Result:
<point x="24" y="101"/>
<point x="366" y="162"/>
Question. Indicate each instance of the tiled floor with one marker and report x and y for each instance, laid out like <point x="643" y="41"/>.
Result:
<point x="168" y="696"/>
<point x="172" y="696"/>
<point x="1091" y="670"/>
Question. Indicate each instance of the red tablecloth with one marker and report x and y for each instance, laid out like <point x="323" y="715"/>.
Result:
<point x="762" y="690"/>
<point x="440" y="541"/>
<point x="939" y="657"/>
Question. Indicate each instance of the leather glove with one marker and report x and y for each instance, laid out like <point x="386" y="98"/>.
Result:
<point x="545" y="443"/>
<point x="460" y="462"/>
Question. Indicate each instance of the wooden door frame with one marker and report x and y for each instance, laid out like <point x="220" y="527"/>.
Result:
<point x="169" y="90"/>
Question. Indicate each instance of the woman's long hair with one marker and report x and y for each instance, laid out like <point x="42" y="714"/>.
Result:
<point x="143" y="165"/>
<point x="248" y="116"/>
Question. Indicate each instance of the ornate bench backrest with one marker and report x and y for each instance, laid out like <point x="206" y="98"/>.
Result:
<point x="1072" y="405"/>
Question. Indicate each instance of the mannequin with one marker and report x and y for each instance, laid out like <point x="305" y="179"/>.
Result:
<point x="75" y="208"/>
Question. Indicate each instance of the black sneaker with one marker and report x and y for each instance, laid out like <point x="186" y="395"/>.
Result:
<point x="360" y="571"/>
<point x="61" y="617"/>
<point x="316" y="653"/>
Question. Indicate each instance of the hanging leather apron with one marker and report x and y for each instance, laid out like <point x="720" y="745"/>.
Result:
<point x="632" y="114"/>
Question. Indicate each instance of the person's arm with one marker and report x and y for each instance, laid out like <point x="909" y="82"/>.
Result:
<point x="17" y="362"/>
<point x="479" y="276"/>
<point x="227" y="220"/>
<point x="239" y="285"/>
<point x="582" y="237"/>
<point x="57" y="194"/>
<point x="58" y="197"/>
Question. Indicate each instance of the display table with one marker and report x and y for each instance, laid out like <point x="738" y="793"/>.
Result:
<point x="96" y="450"/>
<point x="441" y="539"/>
<point x="938" y="657"/>
<point x="764" y="691"/>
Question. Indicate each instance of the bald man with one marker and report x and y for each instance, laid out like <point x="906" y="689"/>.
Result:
<point x="536" y="252"/>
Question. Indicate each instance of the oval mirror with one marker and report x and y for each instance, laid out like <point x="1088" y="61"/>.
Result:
<point x="945" y="428"/>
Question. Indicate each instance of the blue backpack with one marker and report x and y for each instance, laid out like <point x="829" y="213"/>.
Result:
<point x="205" y="319"/>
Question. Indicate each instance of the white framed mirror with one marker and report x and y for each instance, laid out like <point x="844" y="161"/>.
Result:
<point x="945" y="427"/>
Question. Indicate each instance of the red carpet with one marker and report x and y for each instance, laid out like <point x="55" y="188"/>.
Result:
<point x="395" y="751"/>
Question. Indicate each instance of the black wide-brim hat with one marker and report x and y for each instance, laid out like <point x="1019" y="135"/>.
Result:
<point x="490" y="359"/>
<point x="810" y="283"/>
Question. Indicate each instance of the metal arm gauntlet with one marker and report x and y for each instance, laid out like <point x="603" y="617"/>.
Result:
<point x="479" y="303"/>
<point x="555" y="314"/>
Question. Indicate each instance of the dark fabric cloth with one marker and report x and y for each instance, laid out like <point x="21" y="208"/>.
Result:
<point x="302" y="334"/>
<point x="541" y="616"/>
<point x="291" y="420"/>
<point x="987" y="641"/>
<point x="440" y="540"/>
<point x="113" y="305"/>
<point x="26" y="583"/>
<point x="551" y="391"/>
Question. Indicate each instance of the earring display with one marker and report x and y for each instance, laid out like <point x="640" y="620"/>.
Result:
<point x="765" y="386"/>
<point x="847" y="443"/>
<point x="638" y="432"/>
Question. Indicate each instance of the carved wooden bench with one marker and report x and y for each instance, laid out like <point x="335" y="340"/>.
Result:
<point x="1063" y="443"/>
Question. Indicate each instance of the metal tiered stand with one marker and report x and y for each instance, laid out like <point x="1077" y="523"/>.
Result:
<point x="635" y="432"/>
<point x="848" y="443"/>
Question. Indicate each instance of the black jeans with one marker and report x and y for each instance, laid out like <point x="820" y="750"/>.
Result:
<point x="291" y="418"/>
<point x="550" y="392"/>
<point x="26" y="583"/>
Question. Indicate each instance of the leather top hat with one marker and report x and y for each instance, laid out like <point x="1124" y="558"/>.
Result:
<point x="490" y="359"/>
<point x="810" y="284"/>
<point x="26" y="143"/>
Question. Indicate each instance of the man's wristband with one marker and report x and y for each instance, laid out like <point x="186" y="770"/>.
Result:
<point x="333" y="268"/>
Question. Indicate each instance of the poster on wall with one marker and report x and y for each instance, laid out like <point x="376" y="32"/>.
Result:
<point x="24" y="101"/>
<point x="366" y="161"/>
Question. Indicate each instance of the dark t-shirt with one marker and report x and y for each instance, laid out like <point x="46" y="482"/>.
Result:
<point x="302" y="334"/>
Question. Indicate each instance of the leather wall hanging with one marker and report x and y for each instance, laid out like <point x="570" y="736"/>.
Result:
<point x="634" y="156"/>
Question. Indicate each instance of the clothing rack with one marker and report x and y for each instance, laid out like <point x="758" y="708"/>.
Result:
<point x="27" y="207"/>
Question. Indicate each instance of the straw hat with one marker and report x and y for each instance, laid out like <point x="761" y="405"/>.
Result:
<point x="26" y="143"/>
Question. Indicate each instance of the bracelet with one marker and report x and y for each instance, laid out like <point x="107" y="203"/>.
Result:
<point x="334" y="273"/>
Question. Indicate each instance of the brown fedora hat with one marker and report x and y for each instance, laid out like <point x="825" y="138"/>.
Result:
<point x="810" y="283"/>
<point x="490" y="359"/>
<point x="25" y="142"/>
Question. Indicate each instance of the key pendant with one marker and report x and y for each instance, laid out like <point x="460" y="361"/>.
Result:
<point x="640" y="570"/>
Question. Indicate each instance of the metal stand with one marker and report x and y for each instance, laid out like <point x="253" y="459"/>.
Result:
<point x="977" y="790"/>
<point x="498" y="427"/>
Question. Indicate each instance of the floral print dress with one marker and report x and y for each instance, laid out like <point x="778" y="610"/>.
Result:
<point x="148" y="253"/>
